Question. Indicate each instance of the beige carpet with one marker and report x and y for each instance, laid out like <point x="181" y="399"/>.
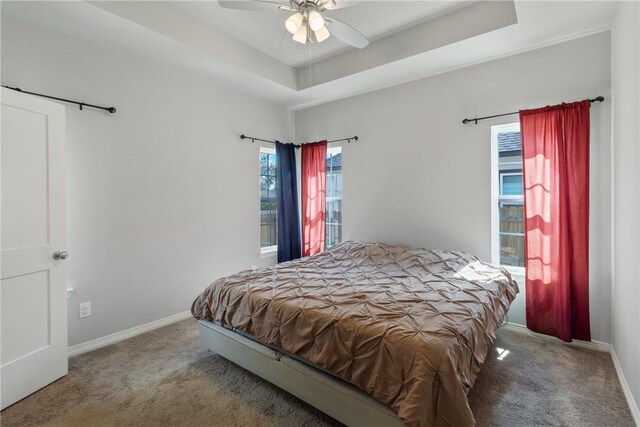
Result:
<point x="165" y="378"/>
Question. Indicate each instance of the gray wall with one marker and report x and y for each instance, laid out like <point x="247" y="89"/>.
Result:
<point x="626" y="186"/>
<point x="148" y="207"/>
<point x="163" y="197"/>
<point x="419" y="177"/>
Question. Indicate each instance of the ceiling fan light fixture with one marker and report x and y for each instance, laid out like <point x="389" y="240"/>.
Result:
<point x="309" y="21"/>
<point x="322" y="34"/>
<point x="294" y="23"/>
<point x="316" y="21"/>
<point x="301" y="35"/>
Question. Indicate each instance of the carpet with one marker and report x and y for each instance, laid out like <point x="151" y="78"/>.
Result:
<point x="164" y="378"/>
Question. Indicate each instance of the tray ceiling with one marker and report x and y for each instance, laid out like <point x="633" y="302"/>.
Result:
<point x="246" y="51"/>
<point x="265" y="31"/>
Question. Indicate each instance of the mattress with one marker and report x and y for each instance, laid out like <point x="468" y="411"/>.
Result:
<point x="410" y="327"/>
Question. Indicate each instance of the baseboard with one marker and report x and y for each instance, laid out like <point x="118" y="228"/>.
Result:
<point x="593" y="345"/>
<point x="126" y="334"/>
<point x="633" y="406"/>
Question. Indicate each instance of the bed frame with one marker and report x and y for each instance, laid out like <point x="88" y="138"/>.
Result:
<point x="330" y="395"/>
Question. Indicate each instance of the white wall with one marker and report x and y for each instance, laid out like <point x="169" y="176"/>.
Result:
<point x="625" y="58"/>
<point x="163" y="197"/>
<point x="419" y="177"/>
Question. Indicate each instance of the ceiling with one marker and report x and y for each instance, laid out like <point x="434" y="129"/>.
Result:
<point x="374" y="19"/>
<point x="247" y="52"/>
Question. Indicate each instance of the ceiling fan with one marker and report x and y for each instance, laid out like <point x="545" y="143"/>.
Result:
<point x="309" y="22"/>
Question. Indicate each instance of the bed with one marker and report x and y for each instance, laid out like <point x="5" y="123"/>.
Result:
<point x="369" y="333"/>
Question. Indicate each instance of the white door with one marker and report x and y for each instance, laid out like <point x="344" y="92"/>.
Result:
<point x="33" y="304"/>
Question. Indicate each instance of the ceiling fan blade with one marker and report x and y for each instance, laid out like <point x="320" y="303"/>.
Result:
<point x="254" y="5"/>
<point x="346" y="33"/>
<point x="339" y="4"/>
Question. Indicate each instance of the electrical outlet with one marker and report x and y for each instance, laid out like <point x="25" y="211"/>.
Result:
<point x="85" y="309"/>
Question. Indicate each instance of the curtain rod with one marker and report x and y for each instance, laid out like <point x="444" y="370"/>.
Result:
<point x="465" y="121"/>
<point x="81" y="104"/>
<point x="254" y="139"/>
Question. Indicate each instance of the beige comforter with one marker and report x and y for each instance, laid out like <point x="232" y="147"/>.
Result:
<point x="411" y="327"/>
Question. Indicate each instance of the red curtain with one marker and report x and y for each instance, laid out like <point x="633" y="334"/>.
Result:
<point x="314" y="167"/>
<point x="555" y="148"/>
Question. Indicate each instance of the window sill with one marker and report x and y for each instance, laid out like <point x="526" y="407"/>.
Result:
<point x="268" y="252"/>
<point x="518" y="273"/>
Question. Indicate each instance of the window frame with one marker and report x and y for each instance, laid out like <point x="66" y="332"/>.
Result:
<point x="264" y="250"/>
<point x="496" y="197"/>
<point x="335" y="149"/>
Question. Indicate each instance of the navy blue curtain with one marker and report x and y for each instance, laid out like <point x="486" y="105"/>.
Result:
<point x="287" y="202"/>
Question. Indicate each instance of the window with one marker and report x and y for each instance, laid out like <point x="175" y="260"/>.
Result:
<point x="511" y="183"/>
<point x="334" y="197"/>
<point x="508" y="197"/>
<point x="268" y="206"/>
<point x="268" y="210"/>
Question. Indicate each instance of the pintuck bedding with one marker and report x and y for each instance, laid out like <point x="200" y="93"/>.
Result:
<point x="410" y="327"/>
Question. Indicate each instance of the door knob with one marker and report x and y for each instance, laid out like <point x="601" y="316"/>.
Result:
<point x="61" y="255"/>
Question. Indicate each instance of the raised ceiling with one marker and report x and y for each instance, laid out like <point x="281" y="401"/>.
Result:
<point x="247" y="52"/>
<point x="265" y="31"/>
